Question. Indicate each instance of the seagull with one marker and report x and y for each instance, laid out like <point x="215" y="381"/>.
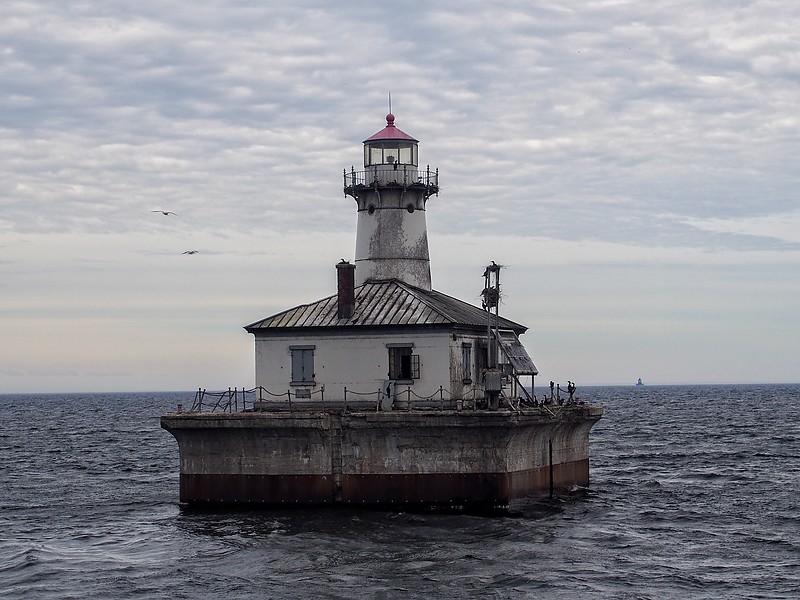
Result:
<point x="191" y="252"/>
<point x="165" y="212"/>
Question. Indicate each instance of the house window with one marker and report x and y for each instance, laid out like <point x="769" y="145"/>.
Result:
<point x="466" y="362"/>
<point x="302" y="365"/>
<point x="403" y="364"/>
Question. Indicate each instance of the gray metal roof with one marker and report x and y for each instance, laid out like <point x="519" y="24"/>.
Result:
<point x="381" y="304"/>
<point x="516" y="353"/>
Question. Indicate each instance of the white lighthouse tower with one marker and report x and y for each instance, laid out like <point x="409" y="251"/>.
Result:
<point x="391" y="192"/>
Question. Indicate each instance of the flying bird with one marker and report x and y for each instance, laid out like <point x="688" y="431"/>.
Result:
<point x="191" y="252"/>
<point x="165" y="212"/>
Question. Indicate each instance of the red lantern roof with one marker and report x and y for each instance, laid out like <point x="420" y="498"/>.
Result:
<point x="390" y="132"/>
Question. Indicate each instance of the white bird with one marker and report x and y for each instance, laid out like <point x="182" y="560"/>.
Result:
<point x="165" y="212"/>
<point x="191" y="252"/>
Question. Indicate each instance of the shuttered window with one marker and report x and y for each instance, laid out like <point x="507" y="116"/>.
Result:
<point x="302" y="364"/>
<point x="466" y="362"/>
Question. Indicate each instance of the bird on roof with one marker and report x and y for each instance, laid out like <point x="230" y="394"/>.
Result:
<point x="191" y="252"/>
<point x="165" y="212"/>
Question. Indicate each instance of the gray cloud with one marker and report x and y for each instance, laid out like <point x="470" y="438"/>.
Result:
<point x="669" y="125"/>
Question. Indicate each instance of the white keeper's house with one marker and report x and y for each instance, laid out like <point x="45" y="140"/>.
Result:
<point x="385" y="328"/>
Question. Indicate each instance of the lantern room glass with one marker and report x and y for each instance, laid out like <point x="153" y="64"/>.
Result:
<point x="389" y="153"/>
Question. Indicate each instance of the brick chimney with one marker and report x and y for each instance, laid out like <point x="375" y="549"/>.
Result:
<point x="346" y="281"/>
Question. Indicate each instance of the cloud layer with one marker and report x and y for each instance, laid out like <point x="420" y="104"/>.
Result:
<point x="633" y="163"/>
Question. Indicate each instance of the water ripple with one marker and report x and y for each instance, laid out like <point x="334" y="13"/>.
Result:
<point x="692" y="496"/>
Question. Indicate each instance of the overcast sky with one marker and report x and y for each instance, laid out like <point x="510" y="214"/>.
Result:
<point x="634" y="164"/>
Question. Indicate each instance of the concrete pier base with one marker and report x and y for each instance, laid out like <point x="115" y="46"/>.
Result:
<point x="426" y="458"/>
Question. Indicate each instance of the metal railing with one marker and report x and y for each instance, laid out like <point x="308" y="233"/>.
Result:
<point x="259" y="398"/>
<point x="405" y="176"/>
<point x="229" y="400"/>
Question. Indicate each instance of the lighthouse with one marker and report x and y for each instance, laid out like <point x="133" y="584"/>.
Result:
<point x="390" y="193"/>
<point x="387" y="392"/>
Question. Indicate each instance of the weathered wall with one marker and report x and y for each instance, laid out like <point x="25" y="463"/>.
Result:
<point x="391" y="242"/>
<point x="447" y="457"/>
<point x="358" y="362"/>
<point x="361" y="362"/>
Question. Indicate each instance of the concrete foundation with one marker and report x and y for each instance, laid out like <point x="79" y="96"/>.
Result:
<point x="427" y="458"/>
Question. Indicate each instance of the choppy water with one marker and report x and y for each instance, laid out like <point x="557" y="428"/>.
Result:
<point x="694" y="495"/>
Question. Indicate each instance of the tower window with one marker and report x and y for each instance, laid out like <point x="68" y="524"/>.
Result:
<point x="407" y="155"/>
<point x="376" y="156"/>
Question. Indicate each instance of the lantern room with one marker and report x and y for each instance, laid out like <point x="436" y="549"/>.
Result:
<point x="390" y="146"/>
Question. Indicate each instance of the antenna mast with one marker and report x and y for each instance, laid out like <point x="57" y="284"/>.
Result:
<point x="492" y="375"/>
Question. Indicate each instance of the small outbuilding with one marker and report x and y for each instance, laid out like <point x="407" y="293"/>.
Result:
<point x="385" y="333"/>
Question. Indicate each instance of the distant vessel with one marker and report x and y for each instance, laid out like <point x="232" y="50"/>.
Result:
<point x="639" y="382"/>
<point x="388" y="392"/>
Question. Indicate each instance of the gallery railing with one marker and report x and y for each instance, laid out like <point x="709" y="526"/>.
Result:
<point x="406" y="176"/>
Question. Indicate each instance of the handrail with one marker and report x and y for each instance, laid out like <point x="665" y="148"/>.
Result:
<point x="244" y="400"/>
<point x="408" y="175"/>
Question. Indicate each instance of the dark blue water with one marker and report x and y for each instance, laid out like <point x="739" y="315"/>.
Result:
<point x="694" y="495"/>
